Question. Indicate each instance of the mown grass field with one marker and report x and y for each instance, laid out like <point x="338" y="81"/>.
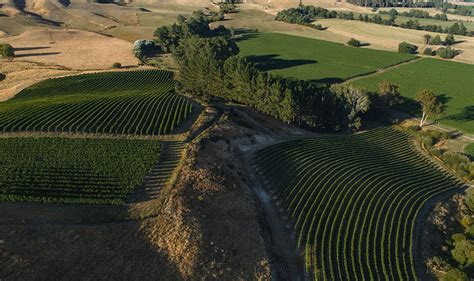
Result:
<point x="122" y="103"/>
<point x="312" y="59"/>
<point x="469" y="149"/>
<point x="354" y="201"/>
<point x="452" y="81"/>
<point x="85" y="171"/>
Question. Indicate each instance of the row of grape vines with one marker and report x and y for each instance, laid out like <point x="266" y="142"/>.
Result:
<point x="125" y="103"/>
<point x="354" y="200"/>
<point x="85" y="171"/>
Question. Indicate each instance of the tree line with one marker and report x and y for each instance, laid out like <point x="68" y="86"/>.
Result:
<point x="306" y="15"/>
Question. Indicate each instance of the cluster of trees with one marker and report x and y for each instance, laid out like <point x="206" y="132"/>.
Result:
<point x="305" y="15"/>
<point x="211" y="70"/>
<point x="7" y="51"/>
<point x="457" y="28"/>
<point x="395" y="3"/>
<point x="446" y="53"/>
<point x="454" y="9"/>
<point x="415" y="14"/>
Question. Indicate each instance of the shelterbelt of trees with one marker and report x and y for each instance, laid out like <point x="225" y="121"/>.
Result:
<point x="211" y="69"/>
<point x="306" y="15"/>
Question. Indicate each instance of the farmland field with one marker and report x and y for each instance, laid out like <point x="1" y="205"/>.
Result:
<point x="469" y="149"/>
<point x="135" y="102"/>
<point x="312" y="59"/>
<point x="86" y="171"/>
<point x="354" y="200"/>
<point x="451" y="80"/>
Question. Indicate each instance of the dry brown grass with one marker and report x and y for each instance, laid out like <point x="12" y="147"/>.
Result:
<point x="73" y="49"/>
<point x="43" y="54"/>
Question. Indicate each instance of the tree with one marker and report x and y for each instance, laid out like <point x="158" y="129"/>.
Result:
<point x="354" y="43"/>
<point x="449" y="40"/>
<point x="430" y="105"/>
<point x="469" y="199"/>
<point x="407" y="48"/>
<point x="446" y="53"/>
<point x="356" y="102"/>
<point x="455" y="275"/>
<point x="428" y="51"/>
<point x="390" y="94"/>
<point x="145" y="48"/>
<point x="7" y="52"/>
<point x="426" y="38"/>
<point x="436" y="40"/>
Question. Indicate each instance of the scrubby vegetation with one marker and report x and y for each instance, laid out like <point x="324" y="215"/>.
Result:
<point x="353" y="200"/>
<point x="354" y="43"/>
<point x="136" y="102"/>
<point x="7" y="51"/>
<point x="84" y="171"/>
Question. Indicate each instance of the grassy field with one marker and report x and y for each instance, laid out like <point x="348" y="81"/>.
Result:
<point x="354" y="201"/>
<point x="136" y="102"/>
<point x="469" y="149"/>
<point x="85" y="171"/>
<point x="452" y="81"/>
<point x="311" y="59"/>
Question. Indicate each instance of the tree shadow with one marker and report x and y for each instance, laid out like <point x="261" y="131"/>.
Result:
<point x="364" y="44"/>
<point x="31" y="48"/>
<point x="36" y="54"/>
<point x="242" y="34"/>
<point x="328" y="80"/>
<point x="467" y="114"/>
<point x="271" y="62"/>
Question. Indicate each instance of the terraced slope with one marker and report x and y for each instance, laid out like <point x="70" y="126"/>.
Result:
<point x="85" y="171"/>
<point x="135" y="102"/>
<point x="354" y="200"/>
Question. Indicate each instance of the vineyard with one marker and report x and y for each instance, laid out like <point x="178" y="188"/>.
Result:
<point x="354" y="200"/>
<point x="134" y="102"/>
<point x="86" y="171"/>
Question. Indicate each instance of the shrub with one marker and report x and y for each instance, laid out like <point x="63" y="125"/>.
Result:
<point x="449" y="40"/>
<point x="428" y="52"/>
<point x="117" y="65"/>
<point x="354" y="43"/>
<point x="463" y="252"/>
<point x="407" y="48"/>
<point x="428" y="141"/>
<point x="455" y="275"/>
<point x="318" y="27"/>
<point x="436" y="40"/>
<point x="446" y="53"/>
<point x="7" y="51"/>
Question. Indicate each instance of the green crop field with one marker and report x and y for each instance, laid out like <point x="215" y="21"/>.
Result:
<point x="86" y="171"/>
<point x="134" y="102"/>
<point x="312" y="59"/>
<point x="354" y="200"/>
<point x="452" y="81"/>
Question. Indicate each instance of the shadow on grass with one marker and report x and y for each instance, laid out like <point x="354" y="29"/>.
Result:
<point x="272" y="62"/>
